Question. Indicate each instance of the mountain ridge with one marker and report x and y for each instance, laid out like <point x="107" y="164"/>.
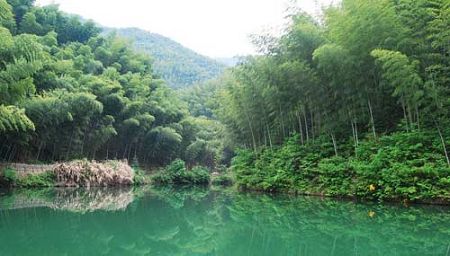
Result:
<point x="178" y="65"/>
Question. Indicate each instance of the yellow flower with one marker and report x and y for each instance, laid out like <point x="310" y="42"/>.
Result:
<point x="372" y="187"/>
<point x="371" y="214"/>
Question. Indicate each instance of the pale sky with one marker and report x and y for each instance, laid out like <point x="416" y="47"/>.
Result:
<point x="216" y="28"/>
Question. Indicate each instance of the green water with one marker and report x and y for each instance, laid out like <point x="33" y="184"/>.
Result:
<point x="206" y="222"/>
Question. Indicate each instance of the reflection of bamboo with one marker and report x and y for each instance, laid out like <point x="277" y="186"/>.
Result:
<point x="334" y="246"/>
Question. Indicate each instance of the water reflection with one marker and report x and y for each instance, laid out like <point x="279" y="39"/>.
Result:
<point x="198" y="221"/>
<point x="71" y="199"/>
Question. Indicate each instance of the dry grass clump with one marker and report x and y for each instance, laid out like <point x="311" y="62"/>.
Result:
<point x="93" y="174"/>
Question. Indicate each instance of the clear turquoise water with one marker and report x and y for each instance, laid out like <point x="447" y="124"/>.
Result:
<point x="205" y="222"/>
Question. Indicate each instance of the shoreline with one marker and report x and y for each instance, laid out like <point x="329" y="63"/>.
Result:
<point x="355" y="199"/>
<point x="30" y="171"/>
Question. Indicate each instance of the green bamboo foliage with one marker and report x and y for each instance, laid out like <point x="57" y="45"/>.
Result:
<point x="66" y="93"/>
<point x="14" y="120"/>
<point x="367" y="69"/>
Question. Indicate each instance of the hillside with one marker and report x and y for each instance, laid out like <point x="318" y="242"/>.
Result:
<point x="178" y="65"/>
<point x="229" y="62"/>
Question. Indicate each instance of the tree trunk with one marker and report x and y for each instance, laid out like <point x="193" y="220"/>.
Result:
<point x="53" y="151"/>
<point x="319" y="125"/>
<point x="265" y="139"/>
<point x="410" y="118"/>
<point x="306" y="126"/>
<point x="300" y="127"/>
<point x="270" y="138"/>
<point x="129" y="151"/>
<point x="418" y="117"/>
<point x="251" y="131"/>
<point x="39" y="151"/>
<point x="311" y="115"/>
<point x="354" y="136"/>
<point x="125" y="151"/>
<point x="443" y="144"/>
<point x="12" y="154"/>
<point x="372" y="120"/>
<point x="82" y="142"/>
<point x="70" y="144"/>
<point x="404" y="115"/>
<point x="334" y="144"/>
<point x="282" y="122"/>
<point x="8" y="150"/>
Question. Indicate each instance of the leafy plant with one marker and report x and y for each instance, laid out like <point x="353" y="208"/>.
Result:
<point x="44" y="179"/>
<point x="10" y="175"/>
<point x="176" y="173"/>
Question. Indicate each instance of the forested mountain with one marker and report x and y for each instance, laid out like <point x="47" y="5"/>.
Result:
<point x="66" y="92"/>
<point x="178" y="66"/>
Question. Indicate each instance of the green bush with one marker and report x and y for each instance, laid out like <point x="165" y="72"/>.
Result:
<point x="139" y="177"/>
<point x="10" y="175"/>
<point x="176" y="173"/>
<point x="177" y="167"/>
<point x="200" y="175"/>
<point x="45" y="179"/>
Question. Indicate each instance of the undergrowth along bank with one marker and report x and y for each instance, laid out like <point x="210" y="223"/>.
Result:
<point x="401" y="166"/>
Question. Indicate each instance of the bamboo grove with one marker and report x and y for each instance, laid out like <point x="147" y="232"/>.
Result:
<point x="66" y="92"/>
<point x="355" y="103"/>
<point x="367" y="68"/>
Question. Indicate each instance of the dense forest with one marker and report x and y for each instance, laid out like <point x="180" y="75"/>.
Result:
<point x="355" y="103"/>
<point x="179" y="66"/>
<point x="67" y="92"/>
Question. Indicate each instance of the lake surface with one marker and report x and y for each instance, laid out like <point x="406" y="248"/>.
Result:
<point x="196" y="221"/>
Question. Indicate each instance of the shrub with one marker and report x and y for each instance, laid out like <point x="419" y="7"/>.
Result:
<point x="176" y="167"/>
<point x="45" y="179"/>
<point x="139" y="177"/>
<point x="10" y="175"/>
<point x="176" y="173"/>
<point x="200" y="175"/>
